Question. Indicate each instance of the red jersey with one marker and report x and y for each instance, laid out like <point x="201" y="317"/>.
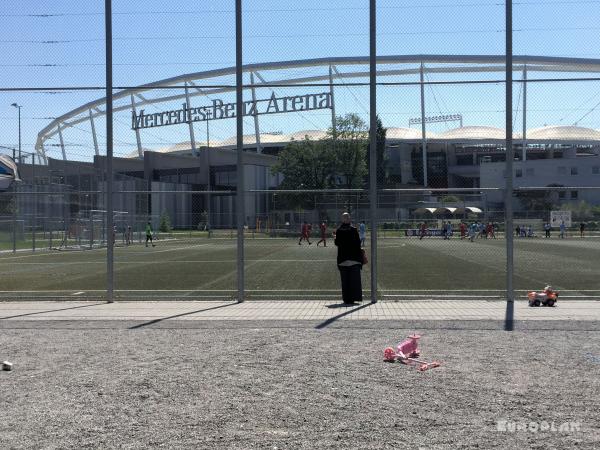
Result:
<point x="323" y="228"/>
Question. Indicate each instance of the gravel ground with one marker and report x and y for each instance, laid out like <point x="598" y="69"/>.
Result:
<point x="294" y="385"/>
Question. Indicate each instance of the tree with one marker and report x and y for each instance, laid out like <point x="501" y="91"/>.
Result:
<point x="306" y="164"/>
<point x="580" y="211"/>
<point x="339" y="160"/>
<point x="537" y="200"/>
<point x="349" y="141"/>
<point x="165" y="223"/>
<point x="382" y="178"/>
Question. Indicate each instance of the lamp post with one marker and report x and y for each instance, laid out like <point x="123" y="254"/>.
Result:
<point x="19" y="108"/>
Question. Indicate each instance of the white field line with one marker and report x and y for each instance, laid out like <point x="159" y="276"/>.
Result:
<point x="172" y="261"/>
<point x="172" y="249"/>
<point x="400" y="292"/>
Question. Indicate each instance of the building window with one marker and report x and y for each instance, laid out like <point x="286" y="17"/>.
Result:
<point x="562" y="170"/>
<point x="573" y="170"/>
<point x="561" y="194"/>
<point x="573" y="194"/>
<point x="519" y="173"/>
<point x="529" y="172"/>
<point x="595" y="170"/>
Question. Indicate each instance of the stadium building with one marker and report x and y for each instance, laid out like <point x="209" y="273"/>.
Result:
<point x="465" y="156"/>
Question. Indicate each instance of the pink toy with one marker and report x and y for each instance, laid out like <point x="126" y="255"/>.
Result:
<point x="407" y="353"/>
<point x="410" y="347"/>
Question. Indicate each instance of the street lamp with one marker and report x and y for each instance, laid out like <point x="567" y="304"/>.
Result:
<point x="19" y="108"/>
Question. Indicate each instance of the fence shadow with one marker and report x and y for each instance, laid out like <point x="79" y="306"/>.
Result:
<point x="339" y="316"/>
<point x="152" y="322"/>
<point x="51" y="310"/>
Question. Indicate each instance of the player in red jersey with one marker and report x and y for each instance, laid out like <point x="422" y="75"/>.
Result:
<point x="305" y="233"/>
<point x="323" y="228"/>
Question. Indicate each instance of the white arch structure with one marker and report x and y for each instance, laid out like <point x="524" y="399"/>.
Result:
<point x="195" y="84"/>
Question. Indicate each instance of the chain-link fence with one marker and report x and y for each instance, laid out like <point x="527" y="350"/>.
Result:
<point x="229" y="180"/>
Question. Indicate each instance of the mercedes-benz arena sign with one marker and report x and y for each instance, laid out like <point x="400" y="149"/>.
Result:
<point x="219" y="110"/>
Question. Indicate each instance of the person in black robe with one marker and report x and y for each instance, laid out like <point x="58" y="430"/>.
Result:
<point x="349" y="260"/>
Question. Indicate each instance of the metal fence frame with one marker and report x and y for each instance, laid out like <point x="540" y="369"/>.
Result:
<point x="372" y="189"/>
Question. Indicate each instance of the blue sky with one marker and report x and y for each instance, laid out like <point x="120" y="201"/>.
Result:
<point x="156" y="39"/>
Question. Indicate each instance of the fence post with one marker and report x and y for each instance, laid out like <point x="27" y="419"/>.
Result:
<point x="14" y="211"/>
<point x="240" y="150"/>
<point x="35" y="200"/>
<point x="109" y="153"/>
<point x="373" y="143"/>
<point x="508" y="320"/>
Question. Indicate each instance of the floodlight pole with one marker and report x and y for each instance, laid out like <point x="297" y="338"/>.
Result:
<point x="16" y="198"/>
<point x="240" y="150"/>
<point x="14" y="211"/>
<point x="423" y="135"/>
<point x="524" y="158"/>
<point x="508" y="208"/>
<point x="333" y="119"/>
<point x="20" y="160"/>
<point x="109" y="152"/>
<point x="373" y="143"/>
<point x="35" y="200"/>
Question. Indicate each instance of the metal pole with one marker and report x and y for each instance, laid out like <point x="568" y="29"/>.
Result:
<point x="240" y="150"/>
<point x="525" y="112"/>
<point x="109" y="151"/>
<point x="189" y="121"/>
<point x="35" y="200"/>
<point x="256" y="124"/>
<point x="207" y="134"/>
<point x="333" y="119"/>
<point x="508" y="320"/>
<point x="138" y="139"/>
<point x="62" y="143"/>
<point x="423" y="136"/>
<point x="43" y="157"/>
<point x="15" y="203"/>
<point x="20" y="160"/>
<point x="373" y="143"/>
<point x="96" y="149"/>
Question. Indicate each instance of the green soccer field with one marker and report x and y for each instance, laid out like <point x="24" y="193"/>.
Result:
<point x="198" y="267"/>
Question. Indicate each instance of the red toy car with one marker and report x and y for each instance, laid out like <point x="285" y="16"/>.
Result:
<point x="548" y="297"/>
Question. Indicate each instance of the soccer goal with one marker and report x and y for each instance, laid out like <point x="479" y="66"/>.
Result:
<point x="88" y="230"/>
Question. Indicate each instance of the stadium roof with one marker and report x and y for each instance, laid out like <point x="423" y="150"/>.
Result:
<point x="407" y="134"/>
<point x="469" y="134"/>
<point x="282" y="72"/>
<point x="563" y="133"/>
<point x="473" y="133"/>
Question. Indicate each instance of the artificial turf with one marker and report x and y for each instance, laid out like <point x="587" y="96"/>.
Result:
<point x="199" y="267"/>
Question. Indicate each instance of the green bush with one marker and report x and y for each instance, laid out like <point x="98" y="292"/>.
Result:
<point x="450" y="199"/>
<point x="165" y="223"/>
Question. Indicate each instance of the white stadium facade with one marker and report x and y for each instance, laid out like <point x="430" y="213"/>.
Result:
<point x="468" y="156"/>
